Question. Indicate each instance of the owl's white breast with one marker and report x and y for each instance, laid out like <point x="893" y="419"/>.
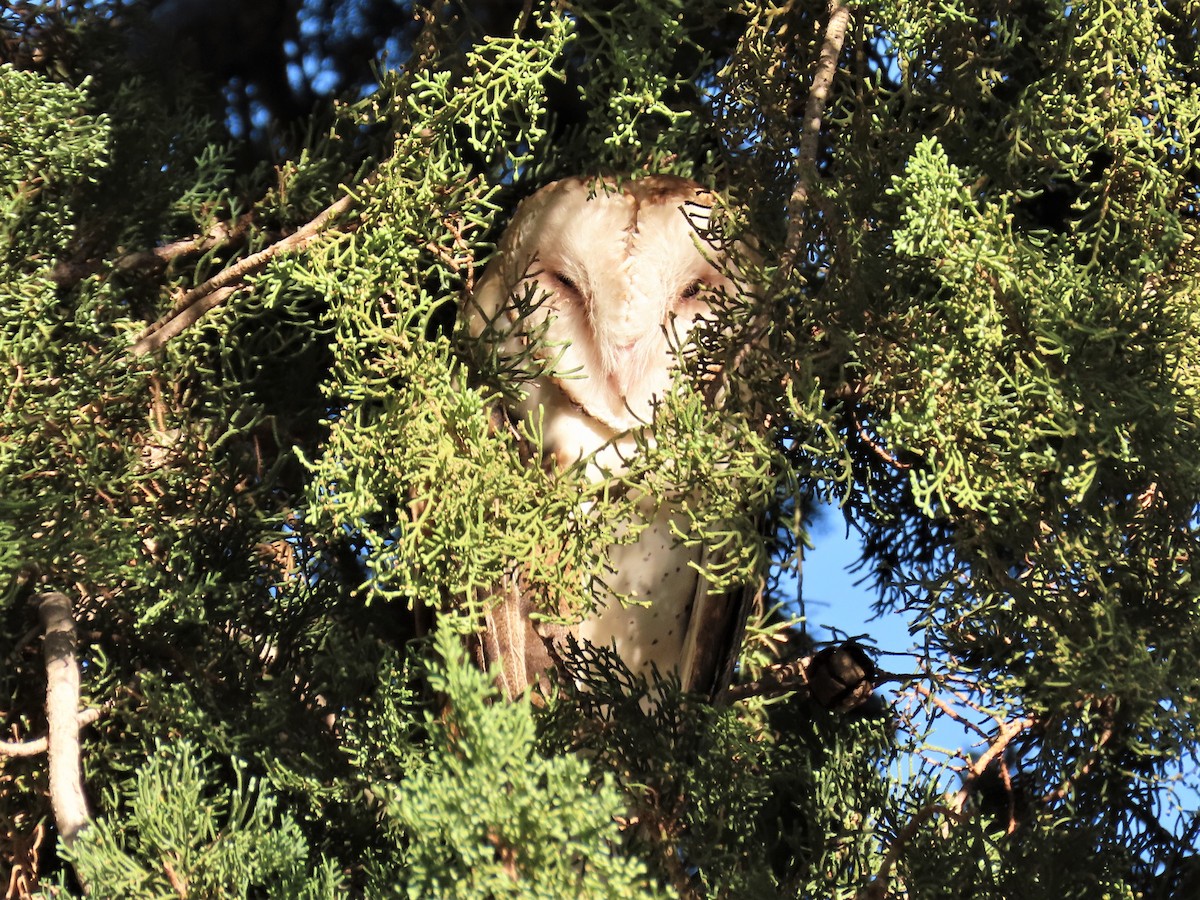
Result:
<point x="657" y="571"/>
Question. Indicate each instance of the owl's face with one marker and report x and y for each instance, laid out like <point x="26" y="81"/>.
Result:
<point x="609" y="287"/>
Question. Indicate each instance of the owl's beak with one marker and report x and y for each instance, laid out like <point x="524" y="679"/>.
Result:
<point x="629" y="363"/>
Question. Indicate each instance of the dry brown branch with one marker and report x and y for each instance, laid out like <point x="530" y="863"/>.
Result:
<point x="62" y="715"/>
<point x="878" y="886"/>
<point x="1007" y="731"/>
<point x="774" y="681"/>
<point x="220" y="234"/>
<point x="40" y="745"/>
<point x="814" y="111"/>
<point x="211" y="293"/>
<point x="878" y="449"/>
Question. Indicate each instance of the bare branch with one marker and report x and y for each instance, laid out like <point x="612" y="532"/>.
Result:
<point x="40" y="745"/>
<point x="814" y="111"/>
<point x="69" y="272"/>
<point x="878" y="449"/>
<point x="878" y="886"/>
<point x="1007" y="731"/>
<point x="169" y="327"/>
<point x="221" y="233"/>
<point x="774" y="681"/>
<point x="213" y="292"/>
<point x="62" y="715"/>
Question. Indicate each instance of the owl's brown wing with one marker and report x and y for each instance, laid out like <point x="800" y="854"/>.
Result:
<point x="521" y="650"/>
<point x="525" y="653"/>
<point x="716" y="629"/>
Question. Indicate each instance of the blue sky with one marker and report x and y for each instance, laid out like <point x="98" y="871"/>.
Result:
<point x="833" y="599"/>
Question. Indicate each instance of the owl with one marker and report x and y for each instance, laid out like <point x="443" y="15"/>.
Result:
<point x="601" y="284"/>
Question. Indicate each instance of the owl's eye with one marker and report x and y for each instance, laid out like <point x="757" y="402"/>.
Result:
<point x="565" y="281"/>
<point x="692" y="289"/>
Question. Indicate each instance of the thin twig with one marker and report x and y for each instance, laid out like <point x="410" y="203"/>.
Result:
<point x="211" y="293"/>
<point x="62" y="715"/>
<point x="949" y="710"/>
<point x="878" y="449"/>
<point x="1007" y="731"/>
<point x="774" y="681"/>
<point x="810" y="134"/>
<point x="40" y="745"/>
<point x="878" y="885"/>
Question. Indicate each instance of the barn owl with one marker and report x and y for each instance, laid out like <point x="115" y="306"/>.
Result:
<point x="602" y="284"/>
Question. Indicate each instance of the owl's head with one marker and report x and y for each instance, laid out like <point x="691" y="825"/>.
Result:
<point x="604" y="284"/>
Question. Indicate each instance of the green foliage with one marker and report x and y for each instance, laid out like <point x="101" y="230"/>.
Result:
<point x="50" y="145"/>
<point x="759" y="801"/>
<point x="169" y="832"/>
<point x="489" y="816"/>
<point x="984" y="353"/>
<point x="39" y="163"/>
<point x="388" y="380"/>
